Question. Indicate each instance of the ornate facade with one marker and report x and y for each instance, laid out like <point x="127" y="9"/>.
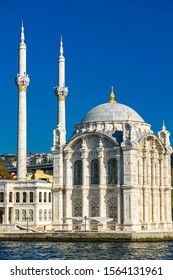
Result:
<point x="113" y="173"/>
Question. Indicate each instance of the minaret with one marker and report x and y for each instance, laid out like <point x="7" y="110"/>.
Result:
<point x="61" y="91"/>
<point x="22" y="81"/>
<point x="164" y="136"/>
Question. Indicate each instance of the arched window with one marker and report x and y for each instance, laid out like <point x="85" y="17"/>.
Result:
<point x="17" y="197"/>
<point x="30" y="215"/>
<point x="24" y="197"/>
<point x="95" y="171"/>
<point x="113" y="209"/>
<point x="112" y="171"/>
<point x="1" y="197"/>
<point x="49" y="214"/>
<point x="10" y="197"/>
<point x="78" y="172"/>
<point x="17" y="215"/>
<point x="95" y="208"/>
<point x="49" y="196"/>
<point x="40" y="214"/>
<point x="45" y="196"/>
<point x="77" y="207"/>
<point x="31" y="197"/>
<point x="23" y="215"/>
<point x="40" y="197"/>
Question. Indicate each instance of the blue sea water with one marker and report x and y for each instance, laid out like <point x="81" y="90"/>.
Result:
<point x="86" y="251"/>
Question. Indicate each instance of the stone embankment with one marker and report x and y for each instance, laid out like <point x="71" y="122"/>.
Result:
<point x="86" y="236"/>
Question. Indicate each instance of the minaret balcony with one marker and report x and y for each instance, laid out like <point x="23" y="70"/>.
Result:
<point x="61" y="92"/>
<point x="22" y="81"/>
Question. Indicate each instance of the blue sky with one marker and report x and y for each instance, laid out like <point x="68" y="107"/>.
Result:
<point x="127" y="44"/>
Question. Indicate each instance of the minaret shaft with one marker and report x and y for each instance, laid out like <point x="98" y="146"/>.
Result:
<point x="22" y="60"/>
<point x="61" y="71"/>
<point x="21" y="143"/>
<point x="22" y="81"/>
<point x="61" y="91"/>
<point x="61" y="113"/>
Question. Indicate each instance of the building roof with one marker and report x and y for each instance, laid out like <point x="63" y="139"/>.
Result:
<point x="112" y="111"/>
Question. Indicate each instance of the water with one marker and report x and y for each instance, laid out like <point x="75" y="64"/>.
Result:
<point x="86" y="251"/>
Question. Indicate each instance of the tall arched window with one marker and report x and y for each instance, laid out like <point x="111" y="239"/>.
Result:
<point x="1" y="197"/>
<point x="30" y="215"/>
<point x="113" y="208"/>
<point x="31" y="197"/>
<point x="17" y="215"/>
<point x="24" y="197"/>
<point x="95" y="208"/>
<point x="17" y="197"/>
<point x="23" y="215"/>
<point x="95" y="171"/>
<point x="77" y="207"/>
<point x="112" y="171"/>
<point x="78" y="172"/>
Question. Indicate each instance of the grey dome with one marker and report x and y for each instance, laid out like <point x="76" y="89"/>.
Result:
<point x="112" y="111"/>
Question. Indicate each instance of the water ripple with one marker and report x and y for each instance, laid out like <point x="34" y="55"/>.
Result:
<point x="86" y="251"/>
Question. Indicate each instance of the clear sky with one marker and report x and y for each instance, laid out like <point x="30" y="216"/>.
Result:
<point x="127" y="44"/>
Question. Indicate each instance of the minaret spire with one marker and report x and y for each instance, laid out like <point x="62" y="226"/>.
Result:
<point x="22" y="81"/>
<point x="61" y="91"/>
<point x="61" y="46"/>
<point x="22" y="37"/>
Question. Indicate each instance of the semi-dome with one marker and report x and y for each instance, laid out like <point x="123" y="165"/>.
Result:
<point x="112" y="111"/>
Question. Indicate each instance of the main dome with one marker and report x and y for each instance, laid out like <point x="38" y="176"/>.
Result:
<point x="112" y="111"/>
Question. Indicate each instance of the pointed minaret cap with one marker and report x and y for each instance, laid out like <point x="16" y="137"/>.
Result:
<point x="112" y="96"/>
<point x="22" y="33"/>
<point x="61" y="46"/>
<point x="163" y="126"/>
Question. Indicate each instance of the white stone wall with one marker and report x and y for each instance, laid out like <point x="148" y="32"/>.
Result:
<point x="142" y="191"/>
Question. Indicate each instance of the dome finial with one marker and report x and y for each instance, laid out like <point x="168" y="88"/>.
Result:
<point x="112" y="96"/>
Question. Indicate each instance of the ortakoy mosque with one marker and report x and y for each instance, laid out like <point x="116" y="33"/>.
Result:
<point x="113" y="174"/>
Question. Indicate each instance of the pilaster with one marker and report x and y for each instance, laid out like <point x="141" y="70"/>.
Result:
<point x="68" y="191"/>
<point x="85" y="187"/>
<point x="102" y="185"/>
<point x="57" y="190"/>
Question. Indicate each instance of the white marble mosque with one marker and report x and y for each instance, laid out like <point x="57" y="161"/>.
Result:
<point x="113" y="174"/>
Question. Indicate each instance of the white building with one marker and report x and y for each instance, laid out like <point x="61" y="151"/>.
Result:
<point x="112" y="174"/>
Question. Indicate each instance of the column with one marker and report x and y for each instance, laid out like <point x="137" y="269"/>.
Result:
<point x="162" y="215"/>
<point x="57" y="197"/>
<point x="68" y="190"/>
<point x="119" y="169"/>
<point x="85" y="188"/>
<point x="140" y="174"/>
<point x="149" y="170"/>
<point x="102" y="186"/>
<point x="145" y="192"/>
<point x="161" y="190"/>
<point x="6" y="214"/>
<point x="12" y="215"/>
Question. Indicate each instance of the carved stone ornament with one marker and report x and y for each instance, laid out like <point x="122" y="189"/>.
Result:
<point x="59" y="136"/>
<point x="22" y="80"/>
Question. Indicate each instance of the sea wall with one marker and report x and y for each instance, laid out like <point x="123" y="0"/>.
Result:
<point x="87" y="236"/>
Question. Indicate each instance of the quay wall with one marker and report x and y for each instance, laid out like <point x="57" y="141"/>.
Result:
<point x="86" y="236"/>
